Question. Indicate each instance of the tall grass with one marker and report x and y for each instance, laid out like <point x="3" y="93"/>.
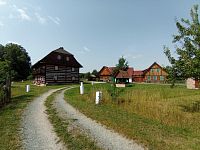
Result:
<point x="169" y="117"/>
<point x="161" y="103"/>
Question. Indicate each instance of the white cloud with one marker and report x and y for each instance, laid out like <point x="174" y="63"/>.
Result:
<point x="23" y="14"/>
<point x="56" y="20"/>
<point x="41" y="19"/>
<point x="86" y="49"/>
<point x="133" y="56"/>
<point x="3" y="2"/>
<point x="1" y="24"/>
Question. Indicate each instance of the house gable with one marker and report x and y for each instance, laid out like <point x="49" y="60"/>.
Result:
<point x="58" y="67"/>
<point x="105" y="71"/>
<point x="155" y="73"/>
<point x="59" y="57"/>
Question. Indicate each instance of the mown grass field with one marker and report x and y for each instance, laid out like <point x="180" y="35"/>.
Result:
<point x="10" y="115"/>
<point x="156" y="116"/>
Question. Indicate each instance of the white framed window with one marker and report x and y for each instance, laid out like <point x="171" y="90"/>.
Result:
<point x="73" y="69"/>
<point x="67" y="58"/>
<point x="149" y="78"/>
<point x="155" y="78"/>
<point x="162" y="78"/>
<point x="56" y="67"/>
<point x="59" y="57"/>
<point x="55" y="77"/>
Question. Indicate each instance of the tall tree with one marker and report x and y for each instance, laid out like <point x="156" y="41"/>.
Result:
<point x="122" y="64"/>
<point x="1" y="52"/>
<point x="95" y="72"/>
<point x="4" y="72"/>
<point x="187" y="44"/>
<point x="18" y="60"/>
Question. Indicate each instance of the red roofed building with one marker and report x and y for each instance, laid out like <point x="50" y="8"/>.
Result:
<point x="105" y="73"/>
<point x="138" y="76"/>
<point x="155" y="73"/>
<point x="124" y="76"/>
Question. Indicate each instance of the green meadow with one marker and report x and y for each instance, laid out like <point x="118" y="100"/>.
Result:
<point x="156" y="116"/>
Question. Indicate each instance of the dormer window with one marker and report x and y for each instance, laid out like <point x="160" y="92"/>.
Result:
<point x="67" y="58"/>
<point x="59" y="57"/>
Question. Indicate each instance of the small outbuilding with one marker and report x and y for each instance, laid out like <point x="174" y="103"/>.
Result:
<point x="124" y="76"/>
<point x="191" y="83"/>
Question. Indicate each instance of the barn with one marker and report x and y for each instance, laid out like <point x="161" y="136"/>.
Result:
<point x="58" y="67"/>
<point x="154" y="74"/>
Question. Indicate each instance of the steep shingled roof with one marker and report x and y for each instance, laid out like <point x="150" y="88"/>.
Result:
<point x="48" y="59"/>
<point x="138" y="72"/>
<point x="61" y="50"/>
<point x="125" y="73"/>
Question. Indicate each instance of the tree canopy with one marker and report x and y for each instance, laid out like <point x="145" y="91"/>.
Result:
<point x="121" y="65"/>
<point x="95" y="72"/>
<point x="186" y="62"/>
<point x="15" y="60"/>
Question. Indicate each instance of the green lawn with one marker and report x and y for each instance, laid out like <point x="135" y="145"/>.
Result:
<point x="10" y="115"/>
<point x="157" y="116"/>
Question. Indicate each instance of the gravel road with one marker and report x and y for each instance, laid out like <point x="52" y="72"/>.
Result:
<point x="37" y="131"/>
<point x="104" y="137"/>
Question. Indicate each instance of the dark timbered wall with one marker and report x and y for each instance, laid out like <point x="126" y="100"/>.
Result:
<point x="61" y="74"/>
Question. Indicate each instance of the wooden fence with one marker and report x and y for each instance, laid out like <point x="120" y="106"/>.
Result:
<point x="5" y="93"/>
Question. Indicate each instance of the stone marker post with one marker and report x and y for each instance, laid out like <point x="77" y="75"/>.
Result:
<point x="81" y="88"/>
<point x="98" y="97"/>
<point x="27" y="88"/>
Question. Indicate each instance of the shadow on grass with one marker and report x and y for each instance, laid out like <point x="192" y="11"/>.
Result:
<point x="22" y="98"/>
<point x="16" y="102"/>
<point x="194" y="107"/>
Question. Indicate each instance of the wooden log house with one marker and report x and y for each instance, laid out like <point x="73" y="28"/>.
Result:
<point x="105" y="73"/>
<point x="154" y="74"/>
<point x="58" y="67"/>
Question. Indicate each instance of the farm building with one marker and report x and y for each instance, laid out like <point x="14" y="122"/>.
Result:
<point x="154" y="74"/>
<point x="105" y="73"/>
<point x="191" y="83"/>
<point x="138" y="76"/>
<point x="124" y="76"/>
<point x="58" y="67"/>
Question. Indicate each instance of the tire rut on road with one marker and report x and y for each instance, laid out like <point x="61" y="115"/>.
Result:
<point x="104" y="137"/>
<point x="37" y="131"/>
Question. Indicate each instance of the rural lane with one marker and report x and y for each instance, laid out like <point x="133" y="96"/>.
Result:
<point x="37" y="131"/>
<point x="105" y="138"/>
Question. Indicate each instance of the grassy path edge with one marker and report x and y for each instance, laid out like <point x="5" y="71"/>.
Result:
<point x="72" y="138"/>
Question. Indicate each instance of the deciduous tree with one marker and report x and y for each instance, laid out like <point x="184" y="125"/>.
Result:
<point x="19" y="61"/>
<point x="186" y="63"/>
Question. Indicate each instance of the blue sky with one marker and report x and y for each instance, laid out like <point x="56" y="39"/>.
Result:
<point x="97" y="32"/>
